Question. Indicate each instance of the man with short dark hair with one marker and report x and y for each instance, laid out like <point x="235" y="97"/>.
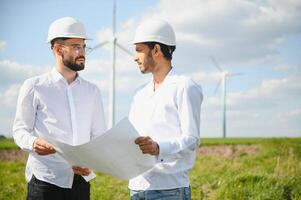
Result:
<point x="63" y="106"/>
<point x="166" y="111"/>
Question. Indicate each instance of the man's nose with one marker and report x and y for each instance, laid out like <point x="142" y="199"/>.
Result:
<point x="136" y="58"/>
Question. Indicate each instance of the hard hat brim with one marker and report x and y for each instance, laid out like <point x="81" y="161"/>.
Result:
<point x="69" y="37"/>
<point x="164" y="41"/>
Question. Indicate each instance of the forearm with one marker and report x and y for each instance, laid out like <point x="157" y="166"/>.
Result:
<point x="25" y="117"/>
<point x="177" y="145"/>
<point x="24" y="139"/>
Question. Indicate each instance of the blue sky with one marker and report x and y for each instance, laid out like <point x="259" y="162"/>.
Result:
<point x="260" y="39"/>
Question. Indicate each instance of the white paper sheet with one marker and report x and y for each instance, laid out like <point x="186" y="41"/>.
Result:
<point x="114" y="153"/>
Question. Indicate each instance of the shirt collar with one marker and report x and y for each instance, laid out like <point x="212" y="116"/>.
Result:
<point x="170" y="77"/>
<point x="56" y="76"/>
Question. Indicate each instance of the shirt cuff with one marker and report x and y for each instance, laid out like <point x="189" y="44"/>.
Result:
<point x="163" y="150"/>
<point x="29" y="144"/>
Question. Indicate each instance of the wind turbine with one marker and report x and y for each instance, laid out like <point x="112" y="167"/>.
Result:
<point x="224" y="76"/>
<point x="114" y="43"/>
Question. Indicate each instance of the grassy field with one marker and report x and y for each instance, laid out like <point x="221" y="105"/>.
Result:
<point x="7" y="144"/>
<point x="226" y="169"/>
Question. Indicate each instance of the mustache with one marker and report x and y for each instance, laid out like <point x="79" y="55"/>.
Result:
<point x="79" y="57"/>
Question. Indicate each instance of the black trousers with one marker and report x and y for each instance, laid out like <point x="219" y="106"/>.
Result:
<point x="40" y="190"/>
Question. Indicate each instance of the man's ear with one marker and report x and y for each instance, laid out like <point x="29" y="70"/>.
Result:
<point x="157" y="49"/>
<point x="57" y="49"/>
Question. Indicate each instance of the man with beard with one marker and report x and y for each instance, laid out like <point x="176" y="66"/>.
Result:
<point x="63" y="106"/>
<point x="166" y="111"/>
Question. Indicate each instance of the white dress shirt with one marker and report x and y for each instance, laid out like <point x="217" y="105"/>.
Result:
<point x="171" y="117"/>
<point x="50" y="107"/>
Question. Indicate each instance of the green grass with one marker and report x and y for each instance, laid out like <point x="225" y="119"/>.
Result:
<point x="7" y="144"/>
<point x="246" y="141"/>
<point x="12" y="181"/>
<point x="274" y="172"/>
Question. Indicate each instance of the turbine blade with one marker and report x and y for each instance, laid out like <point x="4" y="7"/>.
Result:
<point x="217" y="86"/>
<point x="235" y="74"/>
<point x="124" y="49"/>
<point x="216" y="64"/>
<point x="99" y="45"/>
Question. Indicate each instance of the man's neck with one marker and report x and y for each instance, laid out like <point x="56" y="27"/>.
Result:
<point x="67" y="73"/>
<point x="160" y="74"/>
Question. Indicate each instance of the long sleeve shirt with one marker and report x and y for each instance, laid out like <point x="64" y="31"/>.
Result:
<point x="171" y="117"/>
<point x="50" y="107"/>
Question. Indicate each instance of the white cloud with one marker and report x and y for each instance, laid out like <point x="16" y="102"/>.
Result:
<point x="13" y="72"/>
<point x="2" y="45"/>
<point x="288" y="68"/>
<point x="8" y="102"/>
<point x="293" y="113"/>
<point x="232" y="30"/>
<point x="9" y="96"/>
<point x="272" y="108"/>
<point x="269" y="93"/>
<point x="206" y="77"/>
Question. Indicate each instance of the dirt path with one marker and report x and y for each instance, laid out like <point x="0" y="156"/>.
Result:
<point x="221" y="150"/>
<point x="229" y="150"/>
<point x="13" y="155"/>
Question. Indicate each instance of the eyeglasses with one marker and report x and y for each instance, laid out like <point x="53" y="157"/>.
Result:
<point x="77" y="48"/>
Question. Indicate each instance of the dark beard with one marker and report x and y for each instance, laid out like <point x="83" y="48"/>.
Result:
<point x="72" y="65"/>
<point x="149" y="64"/>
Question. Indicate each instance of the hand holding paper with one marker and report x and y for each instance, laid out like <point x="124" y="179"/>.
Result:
<point x="42" y="147"/>
<point x="83" y="171"/>
<point x="147" y="145"/>
<point x="114" y="153"/>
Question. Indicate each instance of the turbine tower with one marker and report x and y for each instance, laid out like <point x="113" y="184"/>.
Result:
<point x="114" y="43"/>
<point x="223" y="80"/>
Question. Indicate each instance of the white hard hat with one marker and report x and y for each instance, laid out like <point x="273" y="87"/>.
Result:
<point x="66" y="27"/>
<point x="155" y="30"/>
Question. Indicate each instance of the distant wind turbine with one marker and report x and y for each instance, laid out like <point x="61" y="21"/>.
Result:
<point x="114" y="43"/>
<point x="224" y="76"/>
